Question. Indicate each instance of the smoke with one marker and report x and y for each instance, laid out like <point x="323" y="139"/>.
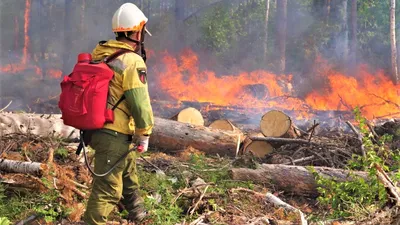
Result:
<point x="61" y="29"/>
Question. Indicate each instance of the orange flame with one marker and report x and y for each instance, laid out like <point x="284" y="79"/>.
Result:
<point x="376" y="94"/>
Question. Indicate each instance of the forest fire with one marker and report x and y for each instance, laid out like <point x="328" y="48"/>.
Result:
<point x="254" y="91"/>
<point x="375" y="94"/>
<point x="23" y="64"/>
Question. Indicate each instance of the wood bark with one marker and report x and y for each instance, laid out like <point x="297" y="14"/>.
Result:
<point x="175" y="136"/>
<point x="281" y="32"/>
<point x="12" y="166"/>
<point x="393" y="40"/>
<point x="266" y="29"/>
<point x="167" y="136"/>
<point x="291" y="179"/>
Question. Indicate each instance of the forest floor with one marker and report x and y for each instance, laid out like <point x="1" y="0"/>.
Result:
<point x="183" y="188"/>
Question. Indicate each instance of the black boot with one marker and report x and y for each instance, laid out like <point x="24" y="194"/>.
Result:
<point x="134" y="204"/>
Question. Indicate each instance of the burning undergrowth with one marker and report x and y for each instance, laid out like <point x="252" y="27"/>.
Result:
<point x="333" y="93"/>
<point x="322" y="93"/>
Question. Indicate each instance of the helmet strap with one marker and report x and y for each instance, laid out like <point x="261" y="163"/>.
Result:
<point x="141" y="43"/>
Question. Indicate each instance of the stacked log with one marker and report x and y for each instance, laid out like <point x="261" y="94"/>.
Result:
<point x="189" y="115"/>
<point x="273" y="124"/>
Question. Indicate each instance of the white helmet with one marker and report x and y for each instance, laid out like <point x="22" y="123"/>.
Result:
<point x="129" y="18"/>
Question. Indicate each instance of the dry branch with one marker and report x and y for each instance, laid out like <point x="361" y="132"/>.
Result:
<point x="278" y="202"/>
<point x="388" y="183"/>
<point x="279" y="141"/>
<point x="4" y="108"/>
<point x="360" y="137"/>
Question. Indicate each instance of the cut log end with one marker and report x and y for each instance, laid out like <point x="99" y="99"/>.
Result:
<point x="189" y="115"/>
<point x="276" y="124"/>
<point x="259" y="148"/>
<point x="223" y="125"/>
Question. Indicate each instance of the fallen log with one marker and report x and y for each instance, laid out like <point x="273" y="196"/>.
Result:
<point x="168" y="135"/>
<point x="291" y="179"/>
<point x="12" y="166"/>
<point x="189" y="115"/>
<point x="277" y="124"/>
<point x="37" y="124"/>
<point x="257" y="148"/>
<point x="223" y="125"/>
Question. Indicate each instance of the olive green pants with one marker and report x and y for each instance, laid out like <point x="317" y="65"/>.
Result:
<point x="107" y="191"/>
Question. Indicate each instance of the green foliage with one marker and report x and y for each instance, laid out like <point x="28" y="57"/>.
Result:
<point x="4" y="221"/>
<point x="17" y="205"/>
<point x="48" y="206"/>
<point x="62" y="153"/>
<point x="161" y="191"/>
<point x="219" y="29"/>
<point x="161" y="212"/>
<point x="359" y="197"/>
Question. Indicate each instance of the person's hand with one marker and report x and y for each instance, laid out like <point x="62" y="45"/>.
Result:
<point x="143" y="144"/>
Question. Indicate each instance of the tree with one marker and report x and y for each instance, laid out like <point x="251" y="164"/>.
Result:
<point x="266" y="29"/>
<point x="281" y="34"/>
<point x="68" y="11"/>
<point x="344" y="30"/>
<point x="393" y="40"/>
<point x="353" y="33"/>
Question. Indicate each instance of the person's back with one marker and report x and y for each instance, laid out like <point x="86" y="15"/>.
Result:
<point x="132" y="116"/>
<point x="130" y="79"/>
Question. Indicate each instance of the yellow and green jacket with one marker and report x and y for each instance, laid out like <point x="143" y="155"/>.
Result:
<point x="134" y="115"/>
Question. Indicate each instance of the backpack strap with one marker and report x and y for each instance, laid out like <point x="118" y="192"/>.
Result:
<point x="116" y="55"/>
<point x="111" y="58"/>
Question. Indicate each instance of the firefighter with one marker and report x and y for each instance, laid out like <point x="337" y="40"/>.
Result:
<point x="133" y="116"/>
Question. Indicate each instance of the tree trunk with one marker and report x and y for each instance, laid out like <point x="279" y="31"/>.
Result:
<point x="266" y="29"/>
<point x="172" y="136"/>
<point x="393" y="40"/>
<point x="43" y="13"/>
<point x="343" y="44"/>
<point x="12" y="166"/>
<point x="353" y="34"/>
<point x="327" y="10"/>
<point x="168" y="135"/>
<point x="281" y="32"/>
<point x="179" y="17"/>
<point x="67" y="36"/>
<point x="291" y="179"/>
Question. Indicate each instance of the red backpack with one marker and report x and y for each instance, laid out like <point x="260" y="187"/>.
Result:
<point x="84" y="93"/>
